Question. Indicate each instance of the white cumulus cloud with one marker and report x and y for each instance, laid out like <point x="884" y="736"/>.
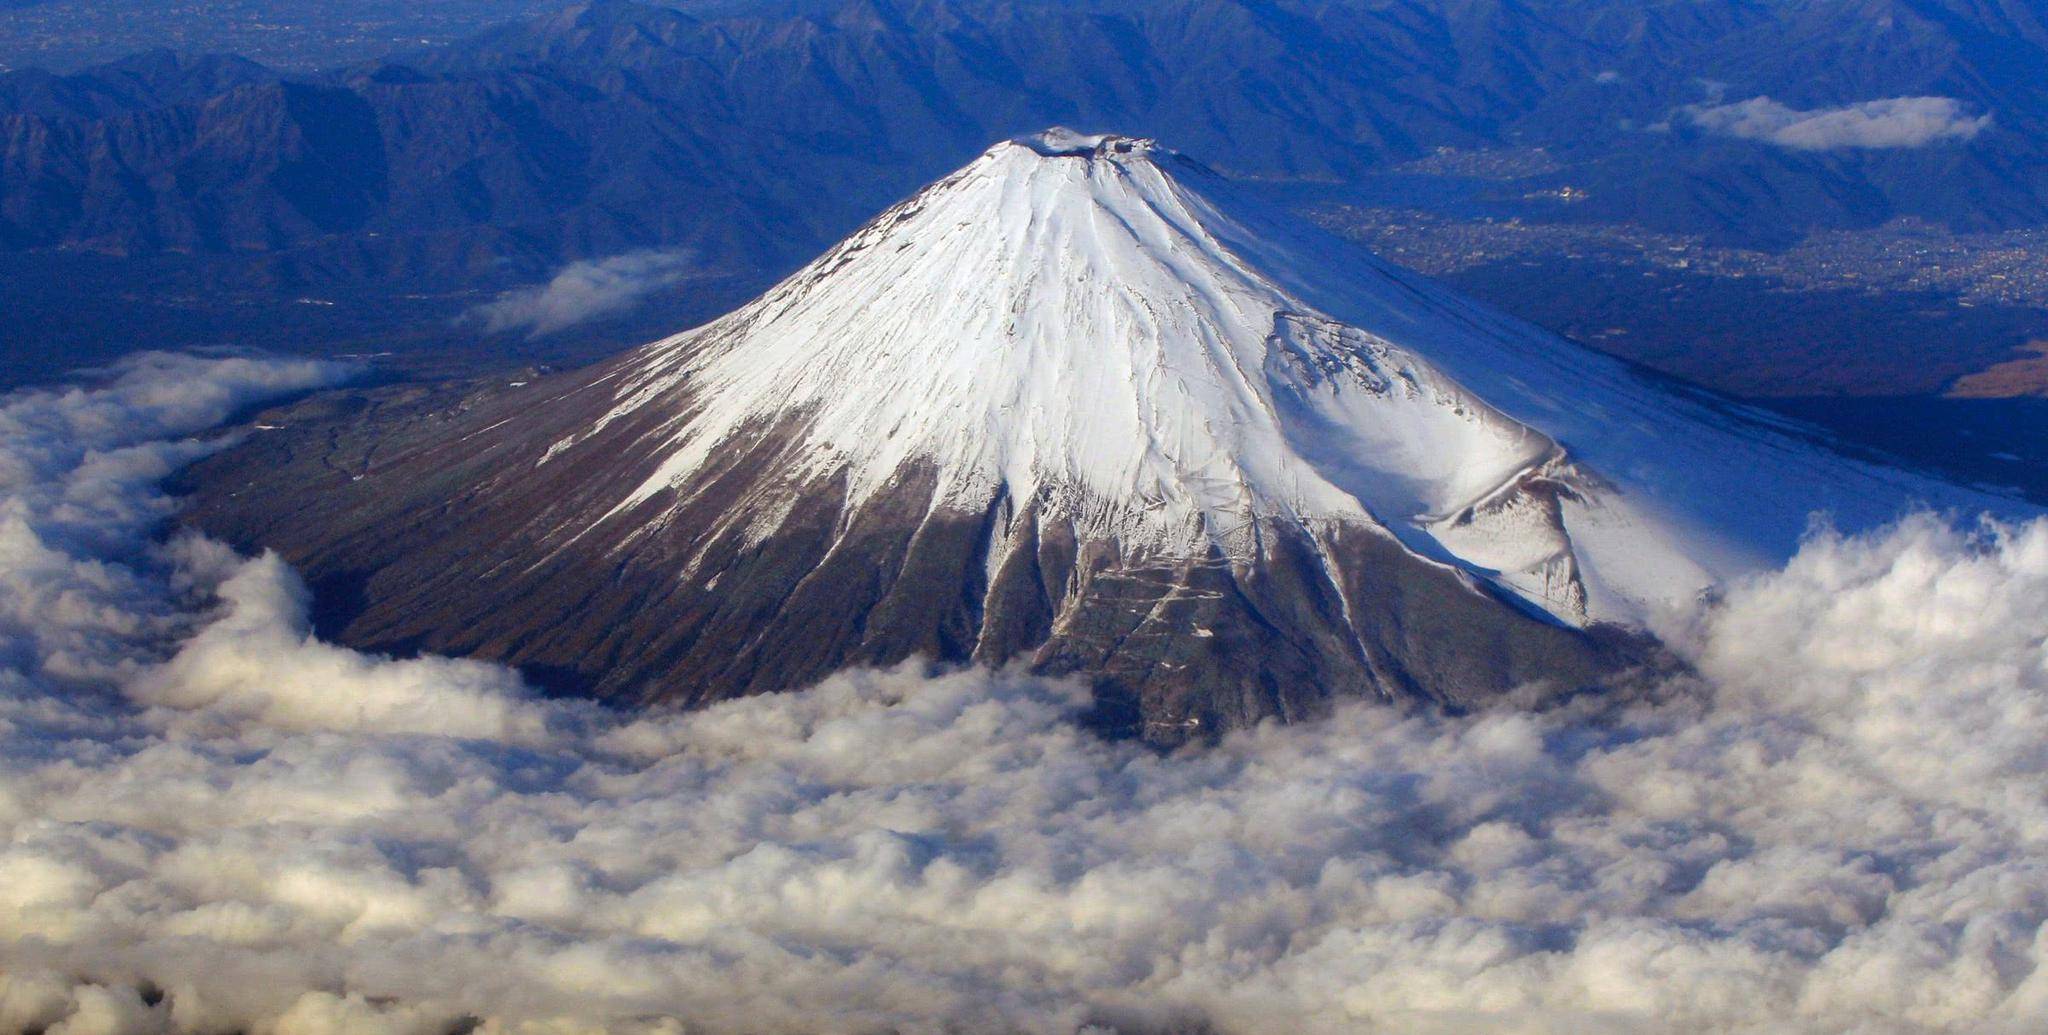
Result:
<point x="1896" y="122"/>
<point x="211" y="821"/>
<point x="583" y="291"/>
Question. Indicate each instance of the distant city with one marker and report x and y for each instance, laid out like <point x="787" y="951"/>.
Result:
<point x="1905" y="307"/>
<point x="2008" y="268"/>
<point x="65" y="35"/>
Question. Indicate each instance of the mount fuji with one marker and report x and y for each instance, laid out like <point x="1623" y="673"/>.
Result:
<point x="1079" y="406"/>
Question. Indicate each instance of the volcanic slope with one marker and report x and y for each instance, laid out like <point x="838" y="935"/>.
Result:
<point x="1078" y="406"/>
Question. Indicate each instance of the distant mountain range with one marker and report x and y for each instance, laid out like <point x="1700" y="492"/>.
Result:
<point x="753" y="133"/>
<point x="760" y="131"/>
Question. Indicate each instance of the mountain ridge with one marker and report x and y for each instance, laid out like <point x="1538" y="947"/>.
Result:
<point x="749" y="135"/>
<point x="883" y="98"/>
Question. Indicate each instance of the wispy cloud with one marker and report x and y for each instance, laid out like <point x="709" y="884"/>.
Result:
<point x="583" y="291"/>
<point x="1898" y="122"/>
<point x="211" y="821"/>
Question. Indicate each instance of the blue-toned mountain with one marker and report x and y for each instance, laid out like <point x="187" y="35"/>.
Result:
<point x="753" y="132"/>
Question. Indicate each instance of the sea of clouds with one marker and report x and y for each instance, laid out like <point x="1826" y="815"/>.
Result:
<point x="212" y="822"/>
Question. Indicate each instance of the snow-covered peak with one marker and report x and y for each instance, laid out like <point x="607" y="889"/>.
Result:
<point x="1061" y="142"/>
<point x="1172" y="368"/>
<point x="1034" y="324"/>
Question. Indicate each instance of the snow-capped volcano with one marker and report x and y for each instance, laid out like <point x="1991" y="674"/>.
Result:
<point x="1064" y="321"/>
<point x="1081" y="405"/>
<point x="1071" y="319"/>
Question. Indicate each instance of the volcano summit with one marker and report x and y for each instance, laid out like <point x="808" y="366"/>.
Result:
<point x="1081" y="407"/>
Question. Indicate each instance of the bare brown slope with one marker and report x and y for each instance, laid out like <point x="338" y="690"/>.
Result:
<point x="426" y="521"/>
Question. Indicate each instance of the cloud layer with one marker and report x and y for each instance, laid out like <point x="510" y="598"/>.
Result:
<point x="1897" y="122"/>
<point x="211" y="821"/>
<point x="583" y="291"/>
